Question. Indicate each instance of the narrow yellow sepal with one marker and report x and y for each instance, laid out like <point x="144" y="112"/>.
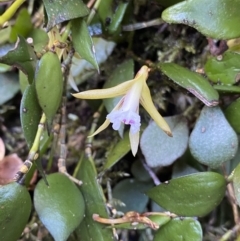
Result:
<point x="101" y="128"/>
<point x="118" y="90"/>
<point x="146" y="102"/>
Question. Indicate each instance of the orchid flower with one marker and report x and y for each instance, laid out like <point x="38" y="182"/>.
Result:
<point x="127" y="109"/>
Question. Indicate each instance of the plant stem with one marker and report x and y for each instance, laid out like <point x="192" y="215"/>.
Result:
<point x="10" y="11"/>
<point x="232" y="201"/>
<point x="33" y="153"/>
<point x="93" y="11"/>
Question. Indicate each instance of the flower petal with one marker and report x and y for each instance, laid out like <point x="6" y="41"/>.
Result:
<point x="146" y="102"/>
<point x="101" y="128"/>
<point x="127" y="117"/>
<point x="107" y="121"/>
<point x="134" y="142"/>
<point x="118" y="90"/>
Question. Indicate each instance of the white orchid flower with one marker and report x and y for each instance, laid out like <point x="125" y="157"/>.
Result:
<point x="134" y="91"/>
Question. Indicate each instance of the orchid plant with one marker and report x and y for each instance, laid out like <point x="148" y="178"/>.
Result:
<point x="126" y="111"/>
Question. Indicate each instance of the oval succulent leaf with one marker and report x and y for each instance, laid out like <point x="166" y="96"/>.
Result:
<point x="15" y="203"/>
<point x="192" y="195"/>
<point x="60" y="205"/>
<point x="227" y="89"/>
<point x="232" y="114"/>
<point x="178" y="229"/>
<point x="95" y="204"/>
<point x="213" y="141"/>
<point x="82" y="41"/>
<point x="224" y="69"/>
<point x="22" y="56"/>
<point x="131" y="193"/>
<point x="81" y="70"/>
<point x="236" y="183"/>
<point x="219" y="20"/>
<point x="49" y="84"/>
<point x="193" y="82"/>
<point x="22" y="25"/>
<point x="64" y="10"/>
<point x="30" y="114"/>
<point x="158" y="148"/>
<point x="117" y="17"/>
<point x="105" y="11"/>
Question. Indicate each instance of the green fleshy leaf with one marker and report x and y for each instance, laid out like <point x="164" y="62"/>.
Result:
<point x="213" y="141"/>
<point x="179" y="229"/>
<point x="105" y="12"/>
<point x="232" y="114"/>
<point x="49" y="84"/>
<point x="191" y="81"/>
<point x="225" y="89"/>
<point x="30" y="114"/>
<point x="82" y="41"/>
<point x="15" y="203"/>
<point x="23" y="57"/>
<point x="60" y="205"/>
<point x="22" y="26"/>
<point x="224" y="69"/>
<point x="95" y="204"/>
<point x="119" y="150"/>
<point x="131" y="193"/>
<point x="81" y="70"/>
<point x="236" y="183"/>
<point x="64" y="10"/>
<point x="23" y="81"/>
<point x="9" y="87"/>
<point x="230" y="166"/>
<point x="117" y="17"/>
<point x="192" y="195"/>
<point x="218" y="19"/>
<point x="158" y="148"/>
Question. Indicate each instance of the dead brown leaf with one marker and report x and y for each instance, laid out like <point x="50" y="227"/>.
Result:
<point x="9" y="166"/>
<point x="2" y="149"/>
